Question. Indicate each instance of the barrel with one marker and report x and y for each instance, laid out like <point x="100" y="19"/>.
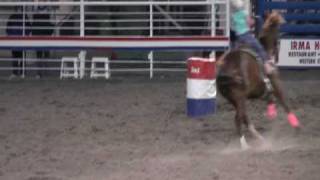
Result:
<point x="201" y="87"/>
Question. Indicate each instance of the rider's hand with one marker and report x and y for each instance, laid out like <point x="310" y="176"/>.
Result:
<point x="250" y="21"/>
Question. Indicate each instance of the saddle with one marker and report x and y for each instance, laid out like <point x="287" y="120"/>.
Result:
<point x="249" y="50"/>
<point x="258" y="59"/>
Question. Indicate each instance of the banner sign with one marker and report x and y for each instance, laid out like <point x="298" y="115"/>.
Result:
<point x="299" y="52"/>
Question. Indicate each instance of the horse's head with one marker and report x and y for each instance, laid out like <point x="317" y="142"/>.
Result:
<point x="274" y="19"/>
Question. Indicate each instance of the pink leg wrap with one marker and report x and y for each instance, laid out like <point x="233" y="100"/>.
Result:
<point x="271" y="111"/>
<point x="293" y="120"/>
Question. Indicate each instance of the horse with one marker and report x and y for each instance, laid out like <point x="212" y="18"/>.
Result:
<point x="240" y="77"/>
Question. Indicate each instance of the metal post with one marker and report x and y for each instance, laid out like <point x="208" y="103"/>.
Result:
<point x="228" y="19"/>
<point x="82" y="57"/>
<point x="213" y="25"/>
<point x="82" y="19"/>
<point x="212" y="54"/>
<point x="213" y="19"/>
<point x="151" y="20"/>
<point x="150" y="55"/>
<point x="23" y="34"/>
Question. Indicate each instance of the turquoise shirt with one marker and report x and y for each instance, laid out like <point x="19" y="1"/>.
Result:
<point x="240" y="24"/>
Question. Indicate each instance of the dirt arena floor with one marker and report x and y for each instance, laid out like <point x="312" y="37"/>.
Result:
<point x="133" y="128"/>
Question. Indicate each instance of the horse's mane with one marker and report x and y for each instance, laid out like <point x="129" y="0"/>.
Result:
<point x="270" y="32"/>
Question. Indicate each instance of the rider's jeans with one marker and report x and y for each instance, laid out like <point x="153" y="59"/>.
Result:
<point x="249" y="39"/>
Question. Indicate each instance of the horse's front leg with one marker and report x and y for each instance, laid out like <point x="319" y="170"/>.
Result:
<point x="242" y="118"/>
<point x="239" y="119"/>
<point x="278" y="92"/>
<point x="255" y="133"/>
<point x="277" y="89"/>
<point x="271" y="109"/>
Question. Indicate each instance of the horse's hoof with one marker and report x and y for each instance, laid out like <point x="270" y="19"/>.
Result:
<point x="293" y="120"/>
<point x="244" y="145"/>
<point x="272" y="111"/>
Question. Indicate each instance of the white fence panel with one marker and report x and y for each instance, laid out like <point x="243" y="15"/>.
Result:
<point x="113" y="25"/>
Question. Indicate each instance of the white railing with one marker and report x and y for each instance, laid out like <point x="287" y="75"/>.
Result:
<point x="125" y="18"/>
<point x="184" y="24"/>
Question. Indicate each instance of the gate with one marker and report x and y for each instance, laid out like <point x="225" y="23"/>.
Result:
<point x="118" y="25"/>
<point x="300" y="35"/>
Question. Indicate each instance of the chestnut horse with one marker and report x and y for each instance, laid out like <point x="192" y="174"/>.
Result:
<point x="240" y="77"/>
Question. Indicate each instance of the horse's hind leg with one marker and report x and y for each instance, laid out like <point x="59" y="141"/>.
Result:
<point x="255" y="133"/>
<point x="252" y="128"/>
<point x="240" y="119"/>
<point x="236" y="98"/>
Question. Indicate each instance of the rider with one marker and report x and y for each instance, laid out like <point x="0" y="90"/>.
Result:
<point x="241" y="25"/>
